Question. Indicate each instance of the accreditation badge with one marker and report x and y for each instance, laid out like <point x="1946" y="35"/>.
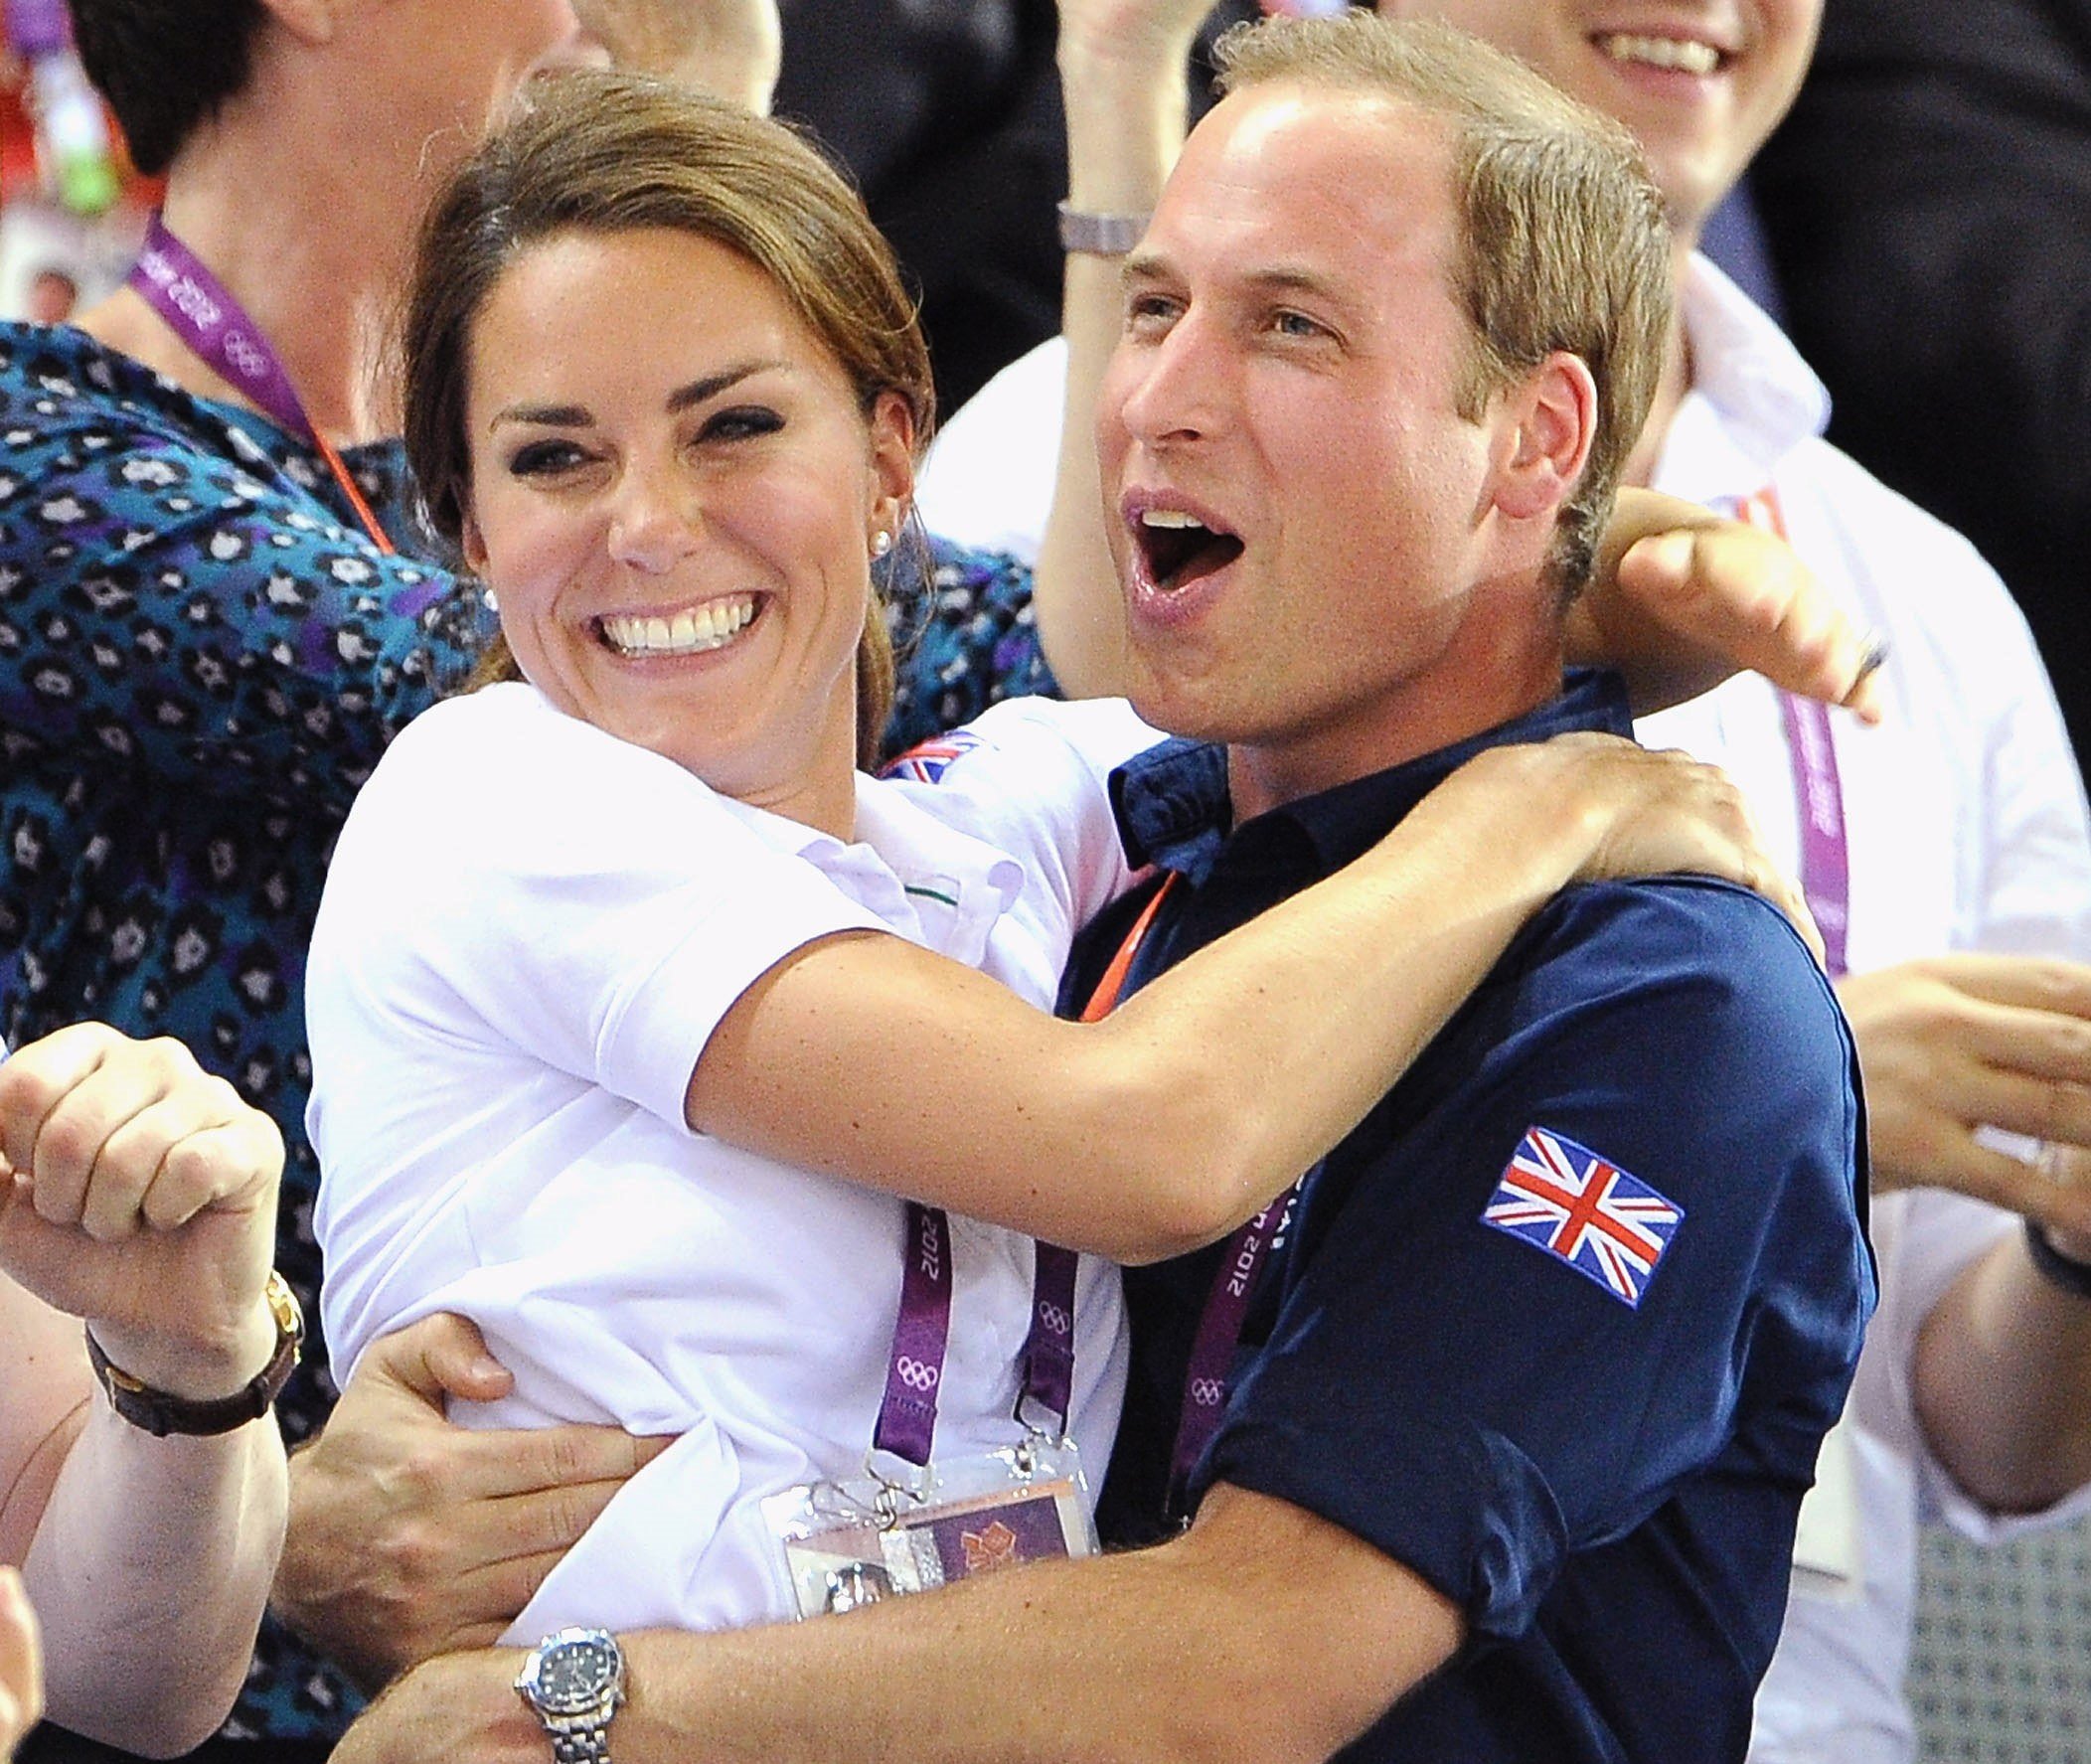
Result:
<point x="854" y="1543"/>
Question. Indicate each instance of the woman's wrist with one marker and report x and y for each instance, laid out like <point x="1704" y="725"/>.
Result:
<point x="1503" y="795"/>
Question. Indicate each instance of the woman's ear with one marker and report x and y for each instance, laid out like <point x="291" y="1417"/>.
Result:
<point x="310" y="21"/>
<point x="892" y="443"/>
<point x="1550" y="423"/>
<point x="472" y="545"/>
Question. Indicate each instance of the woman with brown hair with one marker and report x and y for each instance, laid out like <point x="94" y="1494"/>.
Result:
<point x="218" y="607"/>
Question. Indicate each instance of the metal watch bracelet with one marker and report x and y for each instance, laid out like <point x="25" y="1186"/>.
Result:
<point x="1099" y="236"/>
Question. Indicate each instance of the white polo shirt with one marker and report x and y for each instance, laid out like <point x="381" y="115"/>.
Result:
<point x="529" y="932"/>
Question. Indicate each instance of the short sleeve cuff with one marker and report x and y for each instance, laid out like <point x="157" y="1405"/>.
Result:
<point x="1461" y="1506"/>
<point x="653" y="1044"/>
<point x="1944" y="1501"/>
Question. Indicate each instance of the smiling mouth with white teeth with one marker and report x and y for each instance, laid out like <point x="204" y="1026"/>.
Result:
<point x="691" y="632"/>
<point x="1675" y="53"/>
<point x="1179" y="550"/>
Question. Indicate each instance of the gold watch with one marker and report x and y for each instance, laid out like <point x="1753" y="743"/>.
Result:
<point x="161" y="1413"/>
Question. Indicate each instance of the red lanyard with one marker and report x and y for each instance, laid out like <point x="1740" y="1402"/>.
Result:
<point x="1104" y="999"/>
<point x="210" y="320"/>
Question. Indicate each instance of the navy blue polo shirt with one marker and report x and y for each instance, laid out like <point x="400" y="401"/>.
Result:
<point x="1562" y="1324"/>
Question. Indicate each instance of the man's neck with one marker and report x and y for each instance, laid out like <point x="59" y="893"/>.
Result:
<point x="1490" y="677"/>
<point x="244" y="201"/>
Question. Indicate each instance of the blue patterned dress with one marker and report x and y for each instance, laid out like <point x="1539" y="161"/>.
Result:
<point x="201" y="656"/>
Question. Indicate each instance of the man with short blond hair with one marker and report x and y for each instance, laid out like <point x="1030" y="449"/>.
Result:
<point x="1947" y="851"/>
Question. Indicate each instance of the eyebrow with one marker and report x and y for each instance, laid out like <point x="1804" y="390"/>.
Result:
<point x="684" y="398"/>
<point x="1144" y="267"/>
<point x="1282" y="280"/>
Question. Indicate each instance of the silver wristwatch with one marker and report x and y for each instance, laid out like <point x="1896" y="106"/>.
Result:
<point x="574" y="1679"/>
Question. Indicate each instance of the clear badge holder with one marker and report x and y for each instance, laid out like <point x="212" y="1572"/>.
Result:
<point x="880" y="1537"/>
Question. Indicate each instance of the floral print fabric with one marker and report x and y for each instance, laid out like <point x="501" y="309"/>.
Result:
<point x="201" y="656"/>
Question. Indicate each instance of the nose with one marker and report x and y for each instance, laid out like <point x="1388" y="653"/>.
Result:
<point x="654" y="521"/>
<point x="1176" y="385"/>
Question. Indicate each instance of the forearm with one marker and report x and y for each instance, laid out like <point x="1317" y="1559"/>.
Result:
<point x="1074" y="1666"/>
<point x="2003" y="1382"/>
<point x="1177" y="1117"/>
<point x="1261" y="1050"/>
<point x="1164" y="1653"/>
<point x="1126" y="103"/>
<point x="150" y="1569"/>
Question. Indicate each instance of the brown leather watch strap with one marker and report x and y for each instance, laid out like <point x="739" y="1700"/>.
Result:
<point x="160" y="1413"/>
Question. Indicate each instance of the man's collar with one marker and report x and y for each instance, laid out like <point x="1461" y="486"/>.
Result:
<point x="1173" y="807"/>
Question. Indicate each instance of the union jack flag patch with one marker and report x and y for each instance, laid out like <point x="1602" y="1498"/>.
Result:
<point x="926" y="763"/>
<point x="1581" y="1209"/>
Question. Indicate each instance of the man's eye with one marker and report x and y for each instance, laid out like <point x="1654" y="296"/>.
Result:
<point x="1147" y="312"/>
<point x="1297" y="324"/>
<point x="742" y="422"/>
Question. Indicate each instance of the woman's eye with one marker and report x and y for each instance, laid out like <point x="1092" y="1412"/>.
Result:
<point x="539" y="460"/>
<point x="742" y="422"/>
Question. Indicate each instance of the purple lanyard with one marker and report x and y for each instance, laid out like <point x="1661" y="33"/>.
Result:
<point x="1826" y="870"/>
<point x="1213" y="1349"/>
<point x="907" y="1415"/>
<point x="38" y="27"/>
<point x="216" y="328"/>
<point x="1220" y="1323"/>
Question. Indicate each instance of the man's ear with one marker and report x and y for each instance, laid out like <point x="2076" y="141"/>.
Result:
<point x="1548" y="423"/>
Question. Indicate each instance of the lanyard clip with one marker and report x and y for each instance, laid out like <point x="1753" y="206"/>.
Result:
<point x="900" y="1485"/>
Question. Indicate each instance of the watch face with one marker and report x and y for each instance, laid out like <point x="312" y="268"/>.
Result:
<point x="574" y="1670"/>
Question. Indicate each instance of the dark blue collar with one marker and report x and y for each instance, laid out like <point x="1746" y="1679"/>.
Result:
<point x="1173" y="808"/>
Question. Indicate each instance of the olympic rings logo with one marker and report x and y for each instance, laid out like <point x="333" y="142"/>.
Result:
<point x="1207" y="1393"/>
<point x="1054" y="1319"/>
<point x="245" y="356"/>
<point x="915" y="1374"/>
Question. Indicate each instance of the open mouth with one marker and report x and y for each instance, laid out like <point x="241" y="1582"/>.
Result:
<point x="1178" y="549"/>
<point x="693" y="631"/>
<point x="1679" y="54"/>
